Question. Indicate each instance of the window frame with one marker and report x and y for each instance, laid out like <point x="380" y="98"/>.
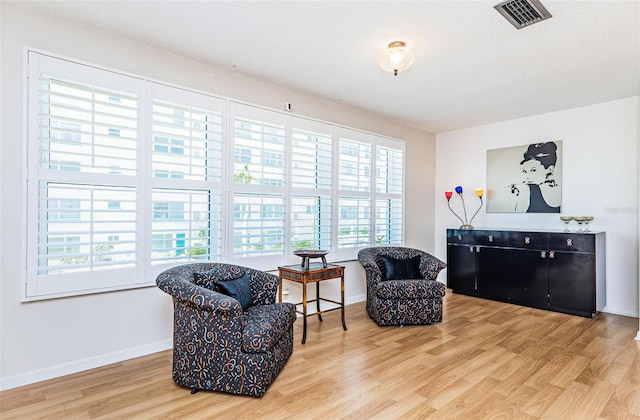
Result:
<point x="148" y="178"/>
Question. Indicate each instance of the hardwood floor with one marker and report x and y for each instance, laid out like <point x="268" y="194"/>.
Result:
<point x="486" y="360"/>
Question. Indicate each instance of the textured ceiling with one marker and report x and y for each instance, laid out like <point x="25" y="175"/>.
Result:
<point x="472" y="67"/>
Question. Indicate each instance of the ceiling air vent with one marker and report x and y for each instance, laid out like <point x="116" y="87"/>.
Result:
<point x="523" y="13"/>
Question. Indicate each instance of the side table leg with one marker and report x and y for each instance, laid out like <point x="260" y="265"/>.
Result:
<point x="304" y="312"/>
<point x="318" y="300"/>
<point x="344" y="325"/>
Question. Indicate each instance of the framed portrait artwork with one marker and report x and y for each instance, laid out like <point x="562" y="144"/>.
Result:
<point x="525" y="179"/>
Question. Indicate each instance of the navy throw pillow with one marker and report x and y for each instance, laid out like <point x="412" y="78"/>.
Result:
<point x="239" y="289"/>
<point x="401" y="268"/>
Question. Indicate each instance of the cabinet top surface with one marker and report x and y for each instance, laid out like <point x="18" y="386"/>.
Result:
<point x="488" y="229"/>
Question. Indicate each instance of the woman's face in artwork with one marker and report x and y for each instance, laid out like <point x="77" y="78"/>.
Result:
<point x="534" y="172"/>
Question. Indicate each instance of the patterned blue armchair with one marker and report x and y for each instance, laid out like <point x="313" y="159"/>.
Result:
<point x="401" y="285"/>
<point x="218" y="345"/>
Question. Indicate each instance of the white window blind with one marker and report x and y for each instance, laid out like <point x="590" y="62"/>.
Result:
<point x="370" y="193"/>
<point x="259" y="147"/>
<point x="187" y="142"/>
<point x="87" y="228"/>
<point x="83" y="159"/>
<point x="355" y="165"/>
<point x="311" y="182"/>
<point x="389" y="186"/>
<point x="182" y="219"/>
<point x="354" y="191"/>
<point x="389" y="221"/>
<point x="258" y="187"/>
<point x="89" y="128"/>
<point x="127" y="177"/>
<point x="186" y="169"/>
<point x="258" y="225"/>
<point x="354" y="223"/>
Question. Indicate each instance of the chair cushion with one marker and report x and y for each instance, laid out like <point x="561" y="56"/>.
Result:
<point x="209" y="279"/>
<point x="239" y="289"/>
<point x="265" y="324"/>
<point x="401" y="268"/>
<point x="410" y="289"/>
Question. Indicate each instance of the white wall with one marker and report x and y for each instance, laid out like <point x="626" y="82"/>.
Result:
<point x="599" y="178"/>
<point x="50" y="338"/>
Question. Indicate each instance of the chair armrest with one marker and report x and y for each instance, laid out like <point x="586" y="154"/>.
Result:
<point x="180" y="288"/>
<point x="367" y="260"/>
<point x="264" y="286"/>
<point x="431" y="266"/>
<point x="371" y="268"/>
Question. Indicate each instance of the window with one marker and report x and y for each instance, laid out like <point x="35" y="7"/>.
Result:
<point x="186" y="218"/>
<point x="258" y="187"/>
<point x="89" y="178"/>
<point x="311" y="181"/>
<point x="355" y="165"/>
<point x="186" y="167"/>
<point x="354" y="223"/>
<point x="63" y="209"/>
<point x="64" y="247"/>
<point x="93" y="223"/>
<point x="253" y="233"/>
<point x="274" y="159"/>
<point x="167" y="145"/>
<point x="168" y="210"/>
<point x="259" y="146"/>
<point x="370" y="191"/>
<point x="354" y="190"/>
<point x="389" y="181"/>
<point x="127" y="177"/>
<point x="187" y="141"/>
<point x="72" y="148"/>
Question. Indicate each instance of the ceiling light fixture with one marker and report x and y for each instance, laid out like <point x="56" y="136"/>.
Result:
<point x="396" y="57"/>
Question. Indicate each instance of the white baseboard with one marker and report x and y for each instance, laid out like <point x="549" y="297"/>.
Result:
<point x="80" y="365"/>
<point x="355" y="299"/>
<point x="620" y="311"/>
<point x="98" y="361"/>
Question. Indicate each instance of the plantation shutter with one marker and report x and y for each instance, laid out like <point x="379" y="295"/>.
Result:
<point x="258" y="183"/>
<point x="84" y="157"/>
<point x="186" y="168"/>
<point x="311" y="181"/>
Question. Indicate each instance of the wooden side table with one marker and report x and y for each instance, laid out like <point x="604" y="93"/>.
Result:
<point x="316" y="273"/>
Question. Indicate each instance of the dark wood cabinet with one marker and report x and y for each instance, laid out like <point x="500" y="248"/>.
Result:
<point x="558" y="271"/>
<point x="461" y="267"/>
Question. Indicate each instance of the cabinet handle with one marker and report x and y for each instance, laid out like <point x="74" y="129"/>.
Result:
<point x="459" y="237"/>
<point x="543" y="254"/>
<point x="490" y="238"/>
<point x="477" y="248"/>
<point x="552" y="254"/>
<point x="527" y="240"/>
<point x="569" y="242"/>
<point x="471" y="249"/>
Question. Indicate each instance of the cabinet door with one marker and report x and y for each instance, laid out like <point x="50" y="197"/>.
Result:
<point x="492" y="272"/>
<point x="528" y="278"/>
<point x="572" y="283"/>
<point x="461" y="269"/>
